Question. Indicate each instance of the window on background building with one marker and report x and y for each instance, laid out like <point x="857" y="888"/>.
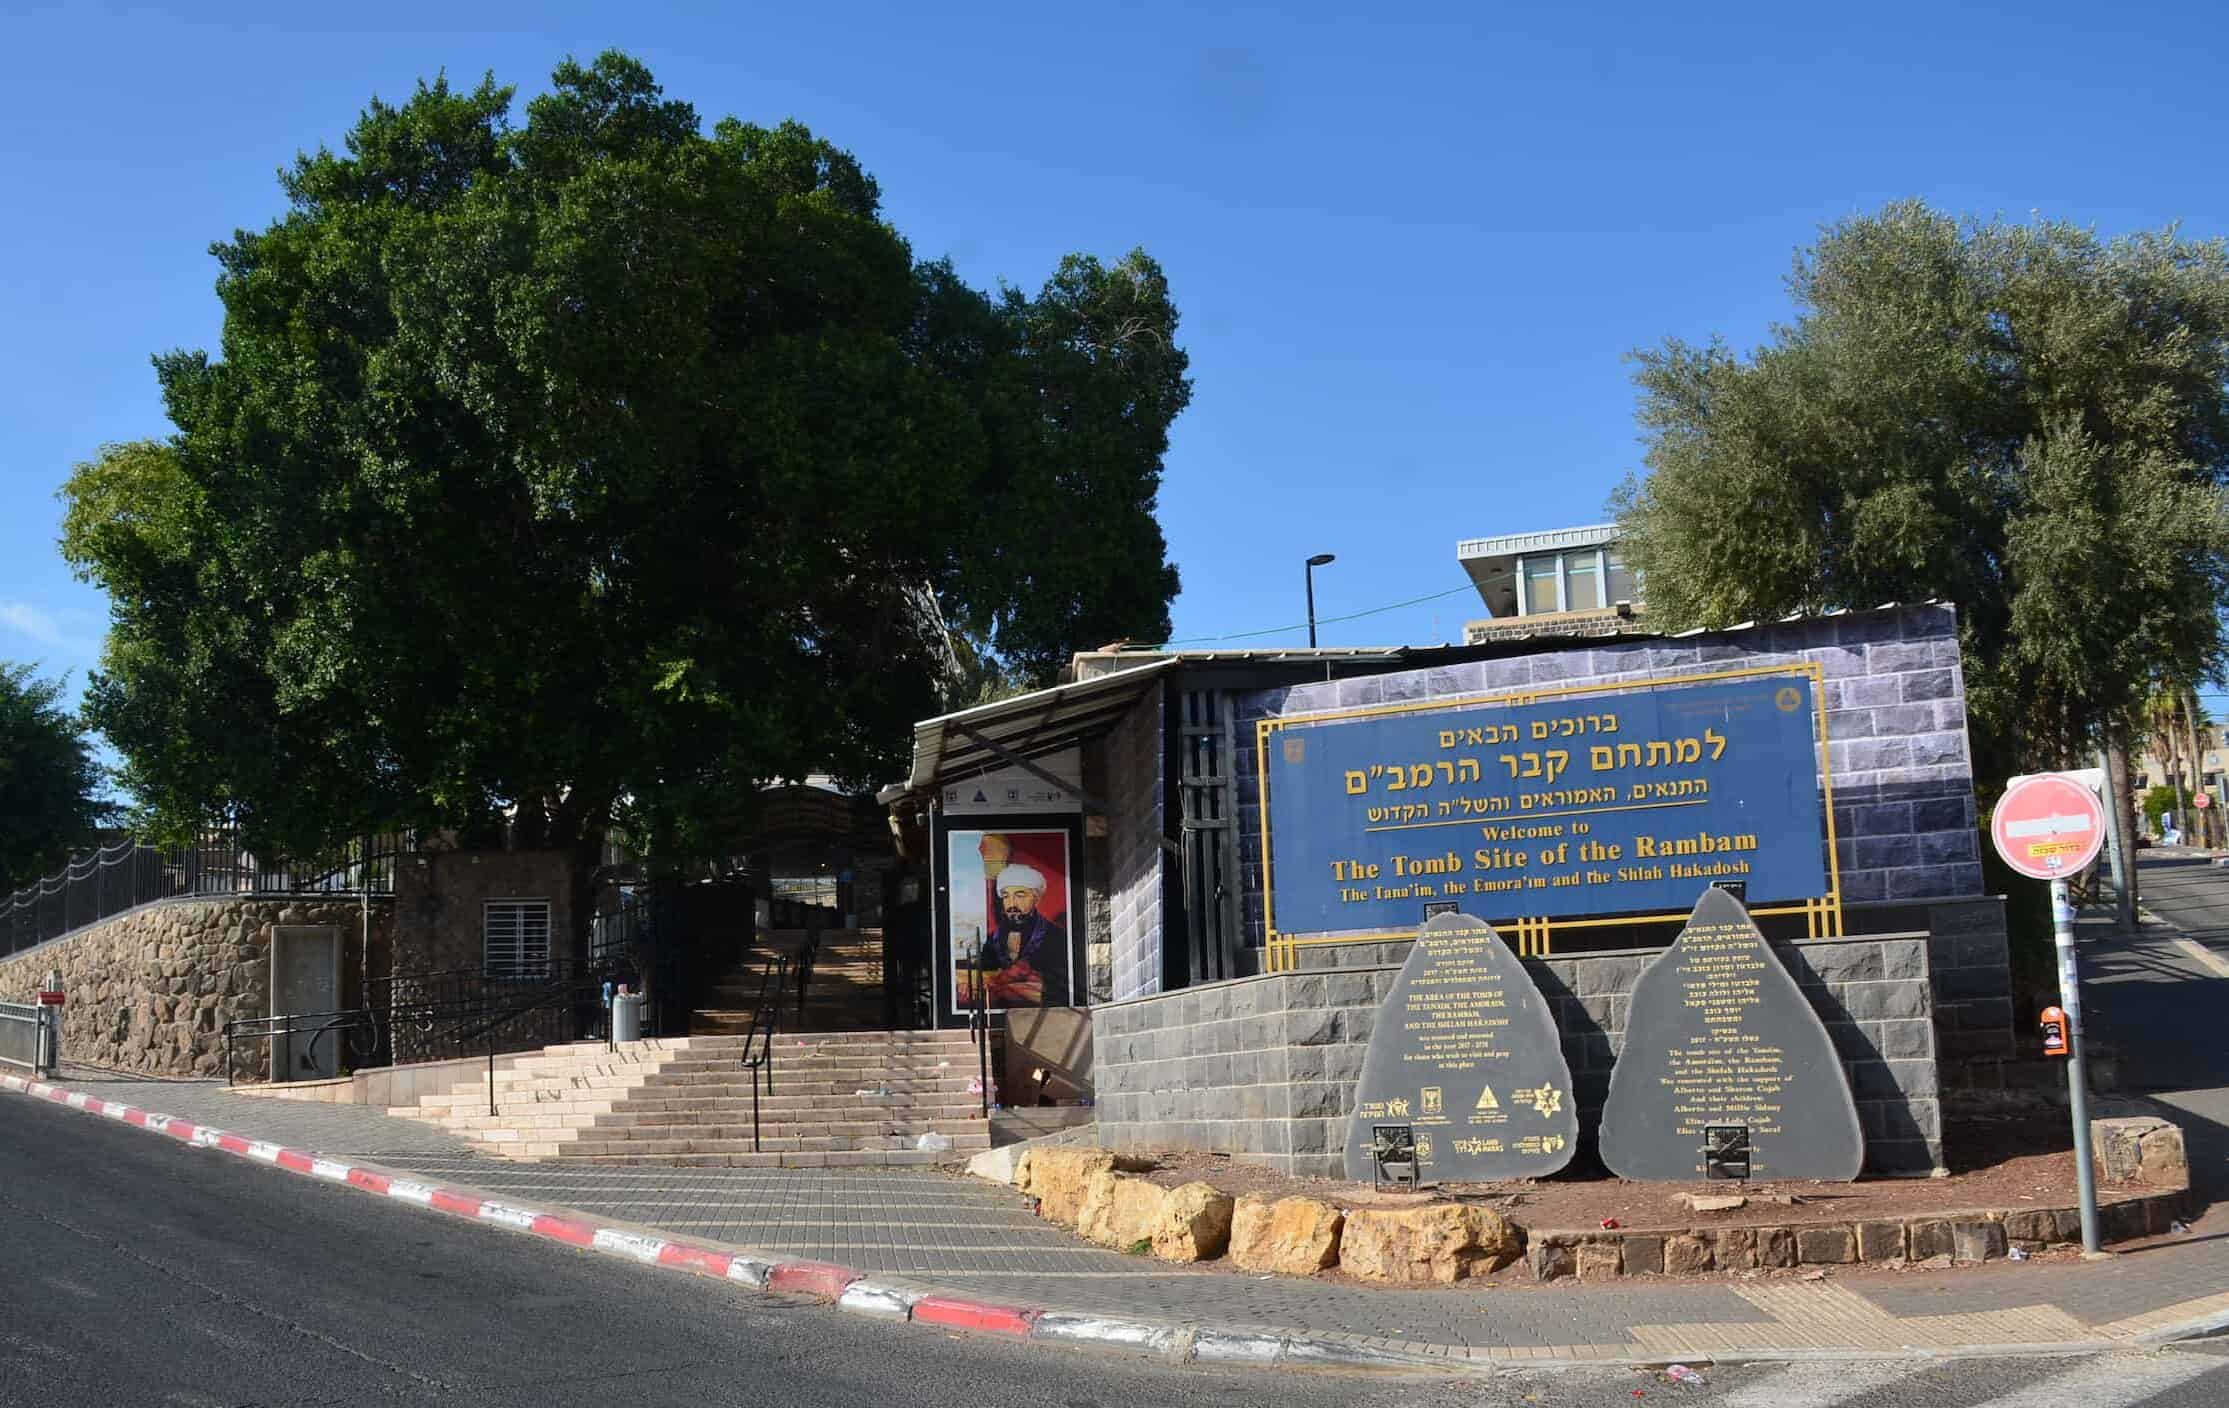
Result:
<point x="1621" y="578"/>
<point x="1540" y="585"/>
<point x="1582" y="586"/>
<point x="516" y="938"/>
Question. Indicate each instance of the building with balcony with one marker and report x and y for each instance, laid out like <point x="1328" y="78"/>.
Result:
<point x="1565" y="581"/>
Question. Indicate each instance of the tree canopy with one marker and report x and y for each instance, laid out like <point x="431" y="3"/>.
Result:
<point x="49" y="783"/>
<point x="2024" y="419"/>
<point x="598" y="467"/>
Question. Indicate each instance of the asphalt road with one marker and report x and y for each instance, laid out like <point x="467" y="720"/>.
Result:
<point x="134" y="1270"/>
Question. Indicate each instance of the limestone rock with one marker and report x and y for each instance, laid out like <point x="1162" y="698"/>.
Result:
<point x="998" y="1165"/>
<point x="1059" y="1178"/>
<point x="1292" y="1236"/>
<point x="2140" y="1149"/>
<point x="1117" y="1211"/>
<point x="1437" y="1244"/>
<point x="1600" y="1261"/>
<point x="1686" y="1256"/>
<point x="1194" y="1223"/>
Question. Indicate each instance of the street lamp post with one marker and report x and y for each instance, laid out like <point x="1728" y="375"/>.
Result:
<point x="1319" y="560"/>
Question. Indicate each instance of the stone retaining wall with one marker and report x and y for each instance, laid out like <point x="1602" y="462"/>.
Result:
<point x="1962" y="1238"/>
<point x="150" y="990"/>
<point x="1264" y="1068"/>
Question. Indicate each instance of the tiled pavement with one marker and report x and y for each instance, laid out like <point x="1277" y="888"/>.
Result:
<point x="976" y="1239"/>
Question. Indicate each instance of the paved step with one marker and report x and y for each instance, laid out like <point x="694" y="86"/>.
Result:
<point x="841" y="1158"/>
<point x="690" y="1098"/>
<point x="961" y="1144"/>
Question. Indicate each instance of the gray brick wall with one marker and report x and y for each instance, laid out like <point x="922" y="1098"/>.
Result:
<point x="1264" y="1068"/>
<point x="1134" y="856"/>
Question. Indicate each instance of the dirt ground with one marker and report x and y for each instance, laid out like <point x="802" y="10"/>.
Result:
<point x="2008" y="1161"/>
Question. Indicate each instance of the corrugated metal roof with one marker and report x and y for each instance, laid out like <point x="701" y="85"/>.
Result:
<point x="954" y="746"/>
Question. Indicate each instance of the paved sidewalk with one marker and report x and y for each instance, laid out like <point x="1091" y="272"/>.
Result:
<point x="927" y="1231"/>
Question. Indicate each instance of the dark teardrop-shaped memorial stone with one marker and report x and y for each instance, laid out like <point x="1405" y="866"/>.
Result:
<point x="1466" y="1053"/>
<point x="1718" y="1035"/>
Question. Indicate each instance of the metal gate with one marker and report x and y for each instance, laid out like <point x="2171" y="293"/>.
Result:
<point x="1207" y="742"/>
<point x="30" y="1036"/>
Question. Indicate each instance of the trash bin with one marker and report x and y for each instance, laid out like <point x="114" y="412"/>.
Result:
<point x="626" y="1017"/>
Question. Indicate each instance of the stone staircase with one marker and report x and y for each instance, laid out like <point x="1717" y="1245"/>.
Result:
<point x="838" y="1098"/>
<point x="845" y="994"/>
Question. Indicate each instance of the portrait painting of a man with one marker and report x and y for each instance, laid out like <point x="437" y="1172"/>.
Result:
<point x="1010" y="912"/>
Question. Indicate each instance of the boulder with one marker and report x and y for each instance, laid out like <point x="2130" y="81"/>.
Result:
<point x="1293" y="1236"/>
<point x="2141" y="1149"/>
<point x="1118" y="1211"/>
<point x="1059" y="1178"/>
<point x="1194" y="1223"/>
<point x="1436" y="1244"/>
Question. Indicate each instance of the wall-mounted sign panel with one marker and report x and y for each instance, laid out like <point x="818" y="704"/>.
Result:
<point x="1623" y="800"/>
<point x="1016" y="791"/>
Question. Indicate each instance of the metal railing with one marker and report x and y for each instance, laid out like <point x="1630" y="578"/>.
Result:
<point x="30" y="1037"/>
<point x="439" y="1016"/>
<point x="979" y="1029"/>
<point x="758" y="1042"/>
<point x="354" y="1037"/>
<point x="117" y="878"/>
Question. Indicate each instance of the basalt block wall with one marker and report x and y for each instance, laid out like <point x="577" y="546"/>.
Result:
<point x="151" y="989"/>
<point x="1902" y="773"/>
<point x="1265" y="1068"/>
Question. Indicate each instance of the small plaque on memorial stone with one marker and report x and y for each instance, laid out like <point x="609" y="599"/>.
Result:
<point x="1466" y="1054"/>
<point x="1726" y="1070"/>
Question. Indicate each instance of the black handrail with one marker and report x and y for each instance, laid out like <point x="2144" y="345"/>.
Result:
<point x="808" y="954"/>
<point x="359" y="1027"/>
<point x="979" y="1030"/>
<point x="758" y="1042"/>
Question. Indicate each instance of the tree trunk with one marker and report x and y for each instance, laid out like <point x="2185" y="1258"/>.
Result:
<point x="2205" y="831"/>
<point x="2120" y="795"/>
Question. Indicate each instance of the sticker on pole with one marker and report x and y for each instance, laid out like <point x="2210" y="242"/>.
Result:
<point x="2048" y="827"/>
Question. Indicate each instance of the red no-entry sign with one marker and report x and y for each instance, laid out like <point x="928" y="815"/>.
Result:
<point x="2048" y="827"/>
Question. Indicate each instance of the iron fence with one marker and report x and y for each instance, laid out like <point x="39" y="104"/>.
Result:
<point x="440" y="1016"/>
<point x="117" y="878"/>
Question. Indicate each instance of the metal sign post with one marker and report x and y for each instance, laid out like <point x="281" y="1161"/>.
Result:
<point x="2078" y="1060"/>
<point x="2049" y="827"/>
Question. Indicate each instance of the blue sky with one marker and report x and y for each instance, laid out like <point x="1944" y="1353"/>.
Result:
<point x="1411" y="254"/>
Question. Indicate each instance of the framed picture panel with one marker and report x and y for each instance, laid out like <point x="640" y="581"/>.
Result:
<point x="1009" y="893"/>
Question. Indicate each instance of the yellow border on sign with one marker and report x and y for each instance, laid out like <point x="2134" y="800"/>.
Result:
<point x="1535" y="933"/>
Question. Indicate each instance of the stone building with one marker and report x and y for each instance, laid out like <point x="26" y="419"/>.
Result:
<point x="1207" y="1034"/>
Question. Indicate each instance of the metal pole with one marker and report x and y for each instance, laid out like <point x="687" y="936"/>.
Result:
<point x="1310" y="571"/>
<point x="2078" y="1065"/>
<point x="491" y="1070"/>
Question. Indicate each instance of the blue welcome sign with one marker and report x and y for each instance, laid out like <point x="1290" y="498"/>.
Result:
<point x="1627" y="800"/>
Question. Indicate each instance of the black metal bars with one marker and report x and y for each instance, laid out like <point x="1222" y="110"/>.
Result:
<point x="117" y="878"/>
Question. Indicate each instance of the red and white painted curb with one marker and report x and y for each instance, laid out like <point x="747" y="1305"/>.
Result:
<point x="846" y="1288"/>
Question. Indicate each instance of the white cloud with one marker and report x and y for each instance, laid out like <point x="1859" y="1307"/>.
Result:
<point x="46" y="627"/>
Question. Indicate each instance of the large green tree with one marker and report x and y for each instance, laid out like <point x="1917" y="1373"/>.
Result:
<point x="2025" y="419"/>
<point x="49" y="783"/>
<point x="593" y="469"/>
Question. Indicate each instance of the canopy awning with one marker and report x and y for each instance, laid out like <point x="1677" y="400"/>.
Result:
<point x="974" y="741"/>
